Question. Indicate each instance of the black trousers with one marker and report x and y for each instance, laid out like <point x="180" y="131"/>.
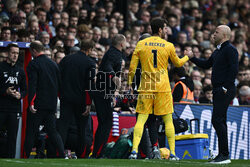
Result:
<point x="11" y="121"/>
<point x="46" y="117"/>
<point x="152" y="133"/>
<point x="221" y="102"/>
<point x="68" y="111"/>
<point x="104" y="113"/>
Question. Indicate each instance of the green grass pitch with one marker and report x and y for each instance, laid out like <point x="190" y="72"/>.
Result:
<point x="113" y="163"/>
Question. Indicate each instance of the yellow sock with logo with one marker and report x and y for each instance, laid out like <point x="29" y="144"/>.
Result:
<point x="170" y="132"/>
<point x="138" y="130"/>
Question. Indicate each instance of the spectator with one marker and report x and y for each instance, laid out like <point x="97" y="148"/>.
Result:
<point x="69" y="43"/>
<point x="206" y="81"/>
<point x="207" y="53"/>
<point x="59" y="55"/>
<point x="58" y="6"/>
<point x="73" y="19"/>
<point x="42" y="98"/>
<point x="197" y="90"/>
<point x="196" y="75"/>
<point x="56" y="20"/>
<point x="208" y="95"/>
<point x="182" y="38"/>
<point x="23" y="35"/>
<point x="6" y="34"/>
<point x="196" y="51"/>
<point x="120" y="25"/>
<point x="242" y="75"/>
<point x="244" y="61"/>
<point x="44" y="38"/>
<point x="83" y="15"/>
<point x="208" y="73"/>
<point x="33" y="28"/>
<point x="46" y="5"/>
<point x="27" y="7"/>
<point x="96" y="34"/>
<point x="73" y="30"/>
<point x="48" y="53"/>
<point x="199" y="36"/>
<point x="244" y="95"/>
<point x="83" y="32"/>
<point x="65" y="18"/>
<point x="42" y="18"/>
<point x="145" y="17"/>
<point x="112" y="32"/>
<point x="12" y="91"/>
<point x="61" y="32"/>
<point x="109" y="6"/>
<point x="23" y="18"/>
<point x="10" y="8"/>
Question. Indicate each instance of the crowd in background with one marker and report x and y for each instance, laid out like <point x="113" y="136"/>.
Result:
<point x="61" y="24"/>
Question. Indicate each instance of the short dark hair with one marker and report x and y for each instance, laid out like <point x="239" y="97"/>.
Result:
<point x="156" y="24"/>
<point x="40" y="10"/>
<point x="207" y="88"/>
<point x="11" y="45"/>
<point x="26" y="2"/>
<point x="37" y="46"/>
<point x="180" y="71"/>
<point x="59" y="26"/>
<point x="87" y="44"/>
<point x="5" y="28"/>
<point x="23" y="33"/>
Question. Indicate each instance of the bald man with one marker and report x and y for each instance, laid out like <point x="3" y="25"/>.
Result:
<point x="43" y="81"/>
<point x="224" y="63"/>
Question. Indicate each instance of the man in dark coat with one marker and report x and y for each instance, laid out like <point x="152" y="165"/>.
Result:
<point x="224" y="63"/>
<point x="43" y="81"/>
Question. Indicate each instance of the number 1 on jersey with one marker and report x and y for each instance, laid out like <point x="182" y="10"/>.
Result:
<point x="155" y="58"/>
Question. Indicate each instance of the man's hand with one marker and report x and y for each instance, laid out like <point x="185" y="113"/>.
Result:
<point x="189" y="53"/>
<point x="17" y="95"/>
<point x="87" y="111"/>
<point x="117" y="81"/>
<point x="32" y="109"/>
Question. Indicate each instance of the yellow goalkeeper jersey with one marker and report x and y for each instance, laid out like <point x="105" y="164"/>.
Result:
<point x="154" y="53"/>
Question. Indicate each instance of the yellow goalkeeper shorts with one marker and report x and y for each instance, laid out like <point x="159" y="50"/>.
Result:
<point x="157" y="103"/>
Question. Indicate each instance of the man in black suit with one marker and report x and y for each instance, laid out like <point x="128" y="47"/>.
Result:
<point x="224" y="63"/>
<point x="108" y="81"/>
<point x="43" y="81"/>
<point x="77" y="73"/>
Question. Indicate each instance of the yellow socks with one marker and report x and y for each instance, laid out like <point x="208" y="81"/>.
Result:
<point x="170" y="132"/>
<point x="138" y="130"/>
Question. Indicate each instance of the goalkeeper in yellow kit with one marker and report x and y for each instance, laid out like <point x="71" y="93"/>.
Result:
<point x="154" y="91"/>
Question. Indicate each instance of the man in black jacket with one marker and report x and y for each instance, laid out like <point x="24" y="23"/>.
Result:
<point x="77" y="74"/>
<point x="108" y="81"/>
<point x="43" y="81"/>
<point x="12" y="90"/>
<point x="224" y="63"/>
